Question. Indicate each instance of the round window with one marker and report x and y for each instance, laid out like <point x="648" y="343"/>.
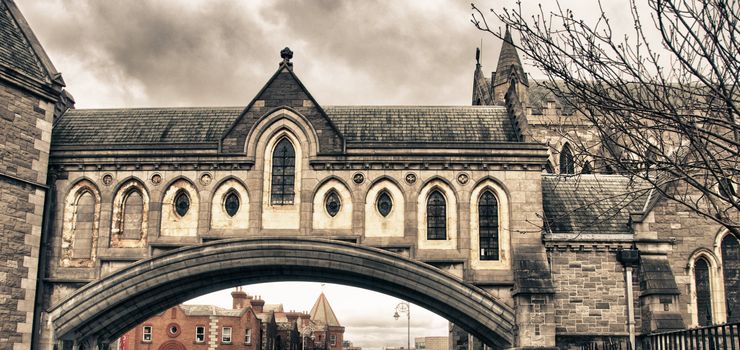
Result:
<point x="182" y="203"/>
<point x="333" y="204"/>
<point x="231" y="203"/>
<point x="384" y="203"/>
<point x="173" y="330"/>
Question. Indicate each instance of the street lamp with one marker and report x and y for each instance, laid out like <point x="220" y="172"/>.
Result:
<point x="404" y="307"/>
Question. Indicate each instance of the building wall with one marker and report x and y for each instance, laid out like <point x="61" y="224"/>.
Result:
<point x="25" y="134"/>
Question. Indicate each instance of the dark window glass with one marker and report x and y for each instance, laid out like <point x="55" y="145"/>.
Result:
<point x="726" y="189"/>
<point x="586" y="168"/>
<point x="333" y="203"/>
<point x="231" y="203"/>
<point x="488" y="226"/>
<point x="566" y="161"/>
<point x="384" y="203"/>
<point x="436" y="216"/>
<point x="703" y="292"/>
<point x="182" y="203"/>
<point x="283" y="173"/>
<point x="548" y="168"/>
<point x="731" y="276"/>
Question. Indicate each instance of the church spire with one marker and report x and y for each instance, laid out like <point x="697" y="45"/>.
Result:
<point x="509" y="66"/>
<point x="322" y="312"/>
<point x="481" y="84"/>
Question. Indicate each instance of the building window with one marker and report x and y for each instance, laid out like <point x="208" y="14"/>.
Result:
<point x="384" y="203"/>
<point x="248" y="336"/>
<point x="566" y="160"/>
<point x="226" y="335"/>
<point x="703" y="292"/>
<point x="231" y="203"/>
<point x="586" y="169"/>
<point x="283" y="173"/>
<point x="146" y="334"/>
<point x="333" y="339"/>
<point x="488" y="226"/>
<point x="726" y="189"/>
<point x="436" y="216"/>
<point x="333" y="204"/>
<point x="182" y="203"/>
<point x="731" y="276"/>
<point x="173" y="329"/>
<point x="200" y="334"/>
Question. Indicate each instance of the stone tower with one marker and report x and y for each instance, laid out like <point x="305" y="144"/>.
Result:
<point x="31" y="96"/>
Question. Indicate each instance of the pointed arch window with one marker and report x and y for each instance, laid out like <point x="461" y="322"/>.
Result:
<point x="133" y="215"/>
<point x="488" y="226"/>
<point x="586" y="168"/>
<point x="436" y="216"/>
<point x="333" y="203"/>
<point x="731" y="276"/>
<point x="283" y="173"/>
<point x="231" y="203"/>
<point x="566" y="160"/>
<point x="182" y="203"/>
<point x="384" y="204"/>
<point x="703" y="292"/>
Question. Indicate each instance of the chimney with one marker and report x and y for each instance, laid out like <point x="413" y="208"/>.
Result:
<point x="257" y="305"/>
<point x="239" y="299"/>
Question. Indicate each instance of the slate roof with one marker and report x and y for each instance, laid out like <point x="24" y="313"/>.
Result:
<point x="539" y="96"/>
<point x="209" y="310"/>
<point x="20" y="51"/>
<point x="591" y="204"/>
<point x="206" y="125"/>
<point x="657" y="276"/>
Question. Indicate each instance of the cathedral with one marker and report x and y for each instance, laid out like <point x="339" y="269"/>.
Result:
<point x="488" y="195"/>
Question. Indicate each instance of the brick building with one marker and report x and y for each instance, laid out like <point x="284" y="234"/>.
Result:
<point x="249" y="325"/>
<point x="485" y="195"/>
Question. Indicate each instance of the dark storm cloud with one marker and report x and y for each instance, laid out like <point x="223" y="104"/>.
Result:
<point x="221" y="52"/>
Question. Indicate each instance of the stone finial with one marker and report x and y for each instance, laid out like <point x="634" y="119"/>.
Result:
<point x="286" y="54"/>
<point x="477" y="55"/>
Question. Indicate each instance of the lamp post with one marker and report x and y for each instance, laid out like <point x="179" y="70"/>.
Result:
<point x="404" y="307"/>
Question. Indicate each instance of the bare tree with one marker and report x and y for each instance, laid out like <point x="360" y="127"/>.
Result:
<point x="666" y="115"/>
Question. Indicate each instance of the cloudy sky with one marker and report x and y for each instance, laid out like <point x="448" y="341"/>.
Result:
<point x="221" y="52"/>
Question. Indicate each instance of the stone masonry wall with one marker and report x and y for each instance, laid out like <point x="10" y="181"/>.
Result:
<point x="590" y="293"/>
<point x="25" y="133"/>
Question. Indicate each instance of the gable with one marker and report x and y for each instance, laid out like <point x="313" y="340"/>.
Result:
<point x="283" y="90"/>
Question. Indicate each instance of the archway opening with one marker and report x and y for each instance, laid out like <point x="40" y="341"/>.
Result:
<point x="105" y="309"/>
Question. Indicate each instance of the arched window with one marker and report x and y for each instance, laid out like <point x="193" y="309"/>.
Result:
<point x="488" y="226"/>
<point x="385" y="204"/>
<point x="182" y="203"/>
<point x="83" y="226"/>
<point x="231" y="203"/>
<point x="436" y="216"/>
<point x="133" y="210"/>
<point x="731" y="276"/>
<point x="566" y="160"/>
<point x="549" y="168"/>
<point x="283" y="173"/>
<point x="333" y="204"/>
<point x="586" y="169"/>
<point x="703" y="292"/>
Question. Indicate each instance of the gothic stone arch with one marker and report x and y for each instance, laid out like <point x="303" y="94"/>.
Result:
<point x="105" y="309"/>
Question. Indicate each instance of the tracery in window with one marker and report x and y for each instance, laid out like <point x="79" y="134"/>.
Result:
<point x="488" y="226"/>
<point x="703" y="292"/>
<point x="231" y="203"/>
<point x="333" y="203"/>
<point x="182" y="203"/>
<point x="566" y="160"/>
<point x="731" y="276"/>
<point x="436" y="216"/>
<point x="384" y="203"/>
<point x="283" y="173"/>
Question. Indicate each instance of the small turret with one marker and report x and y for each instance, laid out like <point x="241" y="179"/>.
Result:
<point x="481" y="85"/>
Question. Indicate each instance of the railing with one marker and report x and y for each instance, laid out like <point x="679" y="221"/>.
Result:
<point x="718" y="337"/>
<point x="609" y="344"/>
